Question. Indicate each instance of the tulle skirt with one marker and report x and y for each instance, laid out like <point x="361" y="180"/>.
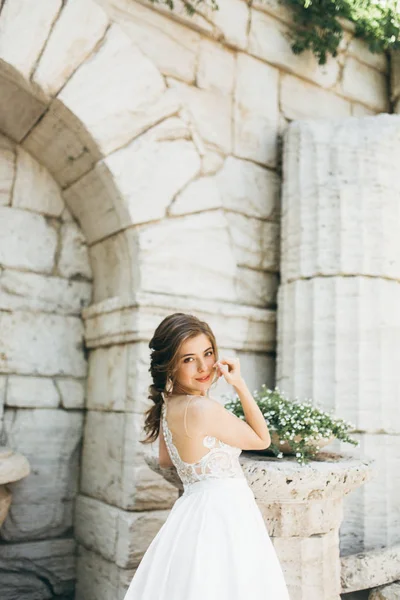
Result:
<point x="214" y="545"/>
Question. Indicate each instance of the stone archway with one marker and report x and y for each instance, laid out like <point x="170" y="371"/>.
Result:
<point x="97" y="115"/>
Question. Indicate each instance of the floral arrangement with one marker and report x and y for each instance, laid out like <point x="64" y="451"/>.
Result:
<point x="298" y="424"/>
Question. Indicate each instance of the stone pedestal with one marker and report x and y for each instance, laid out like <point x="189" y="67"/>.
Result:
<point x="303" y="509"/>
<point x="13" y="467"/>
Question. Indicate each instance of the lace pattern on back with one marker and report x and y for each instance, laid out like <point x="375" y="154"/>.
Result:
<point x="221" y="461"/>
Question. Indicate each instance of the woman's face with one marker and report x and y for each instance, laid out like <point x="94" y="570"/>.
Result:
<point x="195" y="371"/>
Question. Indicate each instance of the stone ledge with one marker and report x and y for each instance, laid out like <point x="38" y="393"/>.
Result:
<point x="327" y="477"/>
<point x="118" y="321"/>
<point x="370" y="569"/>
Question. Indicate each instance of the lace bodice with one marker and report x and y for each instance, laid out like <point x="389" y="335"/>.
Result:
<point x="222" y="460"/>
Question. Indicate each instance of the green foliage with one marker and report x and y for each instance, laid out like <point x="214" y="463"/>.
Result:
<point x="318" y="24"/>
<point x="318" y="27"/>
<point x="292" y="418"/>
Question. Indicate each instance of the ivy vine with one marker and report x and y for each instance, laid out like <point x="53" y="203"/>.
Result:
<point x="318" y="26"/>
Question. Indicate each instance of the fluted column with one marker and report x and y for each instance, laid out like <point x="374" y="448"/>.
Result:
<point x="339" y="299"/>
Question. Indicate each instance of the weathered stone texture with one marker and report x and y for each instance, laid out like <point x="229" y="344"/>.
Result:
<point x="112" y="107"/>
<point x="249" y="189"/>
<point x="18" y="22"/>
<point x="216" y="67"/>
<point x="118" y="536"/>
<point x="35" y="253"/>
<point x="176" y="51"/>
<point x="370" y="569"/>
<point x="386" y="592"/>
<point x="24" y="291"/>
<point x="256" y="112"/>
<point x="297" y="96"/>
<point x="43" y="502"/>
<point x="73" y="39"/>
<point x="34" y="188"/>
<point x="43" y="344"/>
<point x="38" y="569"/>
<point x="332" y="201"/>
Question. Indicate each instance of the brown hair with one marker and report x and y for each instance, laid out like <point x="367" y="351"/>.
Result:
<point x="165" y="344"/>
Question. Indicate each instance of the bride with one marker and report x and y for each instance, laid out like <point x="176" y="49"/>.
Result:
<point x="214" y="544"/>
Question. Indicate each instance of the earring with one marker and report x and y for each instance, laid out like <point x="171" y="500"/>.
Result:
<point x="169" y="385"/>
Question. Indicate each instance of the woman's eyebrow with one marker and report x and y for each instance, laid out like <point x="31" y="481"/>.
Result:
<point x="206" y="350"/>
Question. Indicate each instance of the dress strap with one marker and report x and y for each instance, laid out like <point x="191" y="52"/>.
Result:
<point x="191" y="398"/>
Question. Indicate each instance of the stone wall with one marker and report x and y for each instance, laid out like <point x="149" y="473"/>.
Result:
<point x="163" y="133"/>
<point x="45" y="281"/>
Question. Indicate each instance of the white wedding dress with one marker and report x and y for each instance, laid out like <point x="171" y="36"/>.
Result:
<point x="214" y="544"/>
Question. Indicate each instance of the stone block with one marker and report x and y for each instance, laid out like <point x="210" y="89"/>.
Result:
<point x="96" y="193"/>
<point x="34" y="187"/>
<point x="303" y="560"/>
<point x="172" y="47"/>
<point x="29" y="392"/>
<point x="256" y="111"/>
<point x="255" y="242"/>
<point x="269" y="39"/>
<point x="23" y="109"/>
<point x="342" y="213"/>
<point x="72" y="393"/>
<point x="73" y="260"/>
<point x="256" y="288"/>
<point x="203" y="236"/>
<point x="323" y="359"/>
<point x="20" y="290"/>
<point x="370" y="569"/>
<point x="155" y="168"/>
<point x="365" y="84"/>
<point x="358" y="48"/>
<point x="34" y="252"/>
<point x="33" y="26"/>
<point x="248" y="328"/>
<point x="114" y="268"/>
<point x="43" y="502"/>
<point x="113" y="468"/>
<point x="300" y="100"/>
<point x="118" y="536"/>
<point x="42" y="344"/>
<point x="216" y="67"/>
<point x="199" y="195"/>
<point x="377" y="525"/>
<point x="210" y="113"/>
<point x="232" y="20"/>
<point x="310" y="519"/>
<point x="118" y="378"/>
<point x="386" y="592"/>
<point x="99" y="579"/>
<point x="63" y="143"/>
<point x="249" y="189"/>
<point x="73" y="39"/>
<point x="112" y="107"/>
<point x="360" y="110"/>
<point x="7" y="173"/>
<point x="38" y="569"/>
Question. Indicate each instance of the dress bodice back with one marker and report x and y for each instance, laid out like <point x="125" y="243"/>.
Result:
<point x="221" y="460"/>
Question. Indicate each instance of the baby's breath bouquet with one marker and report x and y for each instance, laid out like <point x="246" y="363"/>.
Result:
<point x="296" y="426"/>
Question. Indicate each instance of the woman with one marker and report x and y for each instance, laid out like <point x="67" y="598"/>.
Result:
<point x="214" y="544"/>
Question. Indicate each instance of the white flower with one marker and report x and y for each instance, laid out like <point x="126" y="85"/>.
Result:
<point x="298" y="454"/>
<point x="280" y="455"/>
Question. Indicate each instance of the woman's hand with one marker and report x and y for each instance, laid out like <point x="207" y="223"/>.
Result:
<point x="230" y="369"/>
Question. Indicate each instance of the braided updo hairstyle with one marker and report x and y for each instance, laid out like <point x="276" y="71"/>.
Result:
<point x="165" y="344"/>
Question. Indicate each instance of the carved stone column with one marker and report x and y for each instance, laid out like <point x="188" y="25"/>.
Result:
<point x="338" y="303"/>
